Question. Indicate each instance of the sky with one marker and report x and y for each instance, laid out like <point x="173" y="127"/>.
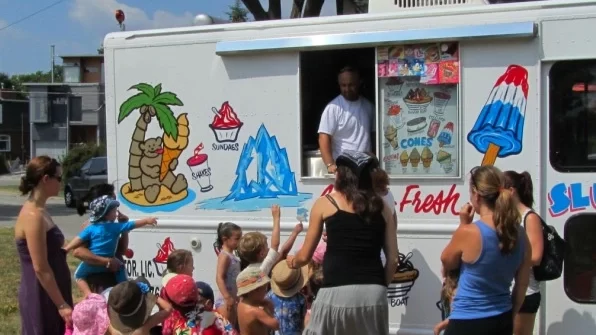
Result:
<point x="79" y="26"/>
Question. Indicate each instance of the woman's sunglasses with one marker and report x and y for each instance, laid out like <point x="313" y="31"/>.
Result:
<point x="58" y="178"/>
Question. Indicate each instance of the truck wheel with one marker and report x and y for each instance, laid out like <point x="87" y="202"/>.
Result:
<point x="69" y="198"/>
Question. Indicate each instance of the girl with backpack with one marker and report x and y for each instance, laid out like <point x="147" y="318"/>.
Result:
<point x="521" y="186"/>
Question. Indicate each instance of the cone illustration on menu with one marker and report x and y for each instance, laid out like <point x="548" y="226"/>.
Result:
<point x="499" y="129"/>
<point x="172" y="148"/>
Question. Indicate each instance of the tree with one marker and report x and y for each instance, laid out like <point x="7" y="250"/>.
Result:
<point x="100" y="50"/>
<point x="5" y="81"/>
<point x="237" y="12"/>
<point x="37" y="77"/>
<point x="312" y="8"/>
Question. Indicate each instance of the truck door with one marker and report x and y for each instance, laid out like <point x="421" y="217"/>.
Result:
<point x="570" y="189"/>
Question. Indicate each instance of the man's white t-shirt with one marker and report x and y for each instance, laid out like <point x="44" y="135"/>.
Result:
<point x="268" y="263"/>
<point x="349" y="123"/>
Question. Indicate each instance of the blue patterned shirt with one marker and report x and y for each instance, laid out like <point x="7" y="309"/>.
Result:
<point x="289" y="312"/>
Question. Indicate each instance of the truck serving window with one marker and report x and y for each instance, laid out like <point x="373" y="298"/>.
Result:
<point x="579" y="275"/>
<point x="419" y="109"/>
<point x="572" y="116"/>
<point x="318" y="86"/>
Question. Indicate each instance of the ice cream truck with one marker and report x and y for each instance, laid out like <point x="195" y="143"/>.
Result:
<point x="217" y="123"/>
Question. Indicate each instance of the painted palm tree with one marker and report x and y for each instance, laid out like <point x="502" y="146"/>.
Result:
<point x="150" y="101"/>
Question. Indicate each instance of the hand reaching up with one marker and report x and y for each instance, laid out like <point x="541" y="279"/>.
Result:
<point x="276" y="212"/>
<point x="298" y="228"/>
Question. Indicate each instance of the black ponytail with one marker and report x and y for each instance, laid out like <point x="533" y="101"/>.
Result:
<point x="224" y="229"/>
<point x="359" y="192"/>
<point x="522" y="183"/>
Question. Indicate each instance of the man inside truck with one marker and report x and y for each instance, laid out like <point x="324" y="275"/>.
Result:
<point x="347" y="122"/>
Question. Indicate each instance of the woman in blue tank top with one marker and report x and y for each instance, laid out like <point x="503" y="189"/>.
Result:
<point x="490" y="253"/>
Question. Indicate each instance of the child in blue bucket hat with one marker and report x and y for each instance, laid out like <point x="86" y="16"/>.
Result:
<point x="102" y="236"/>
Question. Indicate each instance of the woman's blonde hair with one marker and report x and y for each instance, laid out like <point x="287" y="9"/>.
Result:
<point x="450" y="285"/>
<point x="489" y="183"/>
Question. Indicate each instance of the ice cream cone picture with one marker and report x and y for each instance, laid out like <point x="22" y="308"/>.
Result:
<point x="172" y="148"/>
<point x="199" y="166"/>
<point x="427" y="158"/>
<point x="415" y="158"/>
<point x="225" y="125"/>
<point x="499" y="128"/>
<point x="444" y="158"/>
<point x="404" y="278"/>
<point x="403" y="159"/>
<point x="391" y="136"/>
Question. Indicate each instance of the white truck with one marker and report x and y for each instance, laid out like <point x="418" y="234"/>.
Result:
<point x="217" y="123"/>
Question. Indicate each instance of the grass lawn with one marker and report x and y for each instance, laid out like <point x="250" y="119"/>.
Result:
<point x="11" y="277"/>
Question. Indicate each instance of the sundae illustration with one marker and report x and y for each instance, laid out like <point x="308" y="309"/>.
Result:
<point x="446" y="135"/>
<point x="226" y="124"/>
<point x="199" y="166"/>
<point x="427" y="158"/>
<point x="499" y="129"/>
<point x="417" y="100"/>
<point x="403" y="159"/>
<point x="444" y="158"/>
<point x="395" y="116"/>
<point x="414" y="158"/>
<point x="433" y="129"/>
<point x="404" y="278"/>
<point x="391" y="136"/>
<point x="394" y="86"/>
<point x="441" y="99"/>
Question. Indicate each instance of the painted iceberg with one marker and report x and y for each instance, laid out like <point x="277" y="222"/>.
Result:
<point x="273" y="182"/>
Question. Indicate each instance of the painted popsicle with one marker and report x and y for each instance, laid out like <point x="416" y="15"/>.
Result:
<point x="499" y="129"/>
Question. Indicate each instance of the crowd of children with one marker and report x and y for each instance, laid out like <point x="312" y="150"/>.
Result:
<point x="258" y="292"/>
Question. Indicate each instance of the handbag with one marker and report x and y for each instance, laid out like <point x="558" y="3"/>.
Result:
<point x="551" y="265"/>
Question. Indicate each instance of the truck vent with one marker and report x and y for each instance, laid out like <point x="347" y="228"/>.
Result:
<point x="436" y="3"/>
<point x="385" y="6"/>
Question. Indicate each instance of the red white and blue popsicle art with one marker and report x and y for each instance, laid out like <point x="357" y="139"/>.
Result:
<point x="499" y="129"/>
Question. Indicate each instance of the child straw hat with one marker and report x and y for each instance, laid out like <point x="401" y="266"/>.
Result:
<point x="286" y="282"/>
<point x="250" y="279"/>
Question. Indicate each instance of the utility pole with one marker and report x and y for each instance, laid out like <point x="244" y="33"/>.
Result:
<point x="52" y="62"/>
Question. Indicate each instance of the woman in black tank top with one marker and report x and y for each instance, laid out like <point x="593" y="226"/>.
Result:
<point x="353" y="296"/>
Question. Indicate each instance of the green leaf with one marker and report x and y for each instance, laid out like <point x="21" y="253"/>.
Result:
<point x="166" y="120"/>
<point x="145" y="88"/>
<point x="168" y="98"/>
<point x="136" y="101"/>
<point x="157" y="89"/>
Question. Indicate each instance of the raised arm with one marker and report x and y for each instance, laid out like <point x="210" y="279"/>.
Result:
<point x="144" y="222"/>
<point x="287" y="247"/>
<point x="390" y="245"/>
<point x="35" y="234"/>
<point x="276" y="214"/>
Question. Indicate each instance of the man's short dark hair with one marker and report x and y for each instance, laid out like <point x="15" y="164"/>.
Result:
<point x="350" y="69"/>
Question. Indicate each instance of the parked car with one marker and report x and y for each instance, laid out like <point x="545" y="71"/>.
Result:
<point x="93" y="172"/>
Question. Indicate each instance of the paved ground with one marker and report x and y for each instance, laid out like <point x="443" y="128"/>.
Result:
<point x="10" y="204"/>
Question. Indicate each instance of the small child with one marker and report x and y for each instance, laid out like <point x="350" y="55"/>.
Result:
<point x="102" y="236"/>
<point x="288" y="302"/>
<point x="447" y="294"/>
<point x="254" y="250"/>
<point x="180" y="261"/>
<point x="182" y="292"/>
<point x="130" y="307"/>
<point x="90" y="316"/>
<point x="228" y="267"/>
<point x="255" y="312"/>
<point x="212" y="323"/>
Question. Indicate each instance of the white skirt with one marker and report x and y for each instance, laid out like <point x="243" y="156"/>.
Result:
<point x="351" y="309"/>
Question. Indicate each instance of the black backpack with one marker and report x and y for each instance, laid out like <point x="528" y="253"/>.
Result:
<point x="551" y="265"/>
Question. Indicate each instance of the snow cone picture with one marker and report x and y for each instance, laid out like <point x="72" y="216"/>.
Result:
<point x="225" y="125"/>
<point x="199" y="166"/>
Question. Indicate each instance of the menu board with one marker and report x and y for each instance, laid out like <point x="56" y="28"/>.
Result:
<point x="419" y="113"/>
